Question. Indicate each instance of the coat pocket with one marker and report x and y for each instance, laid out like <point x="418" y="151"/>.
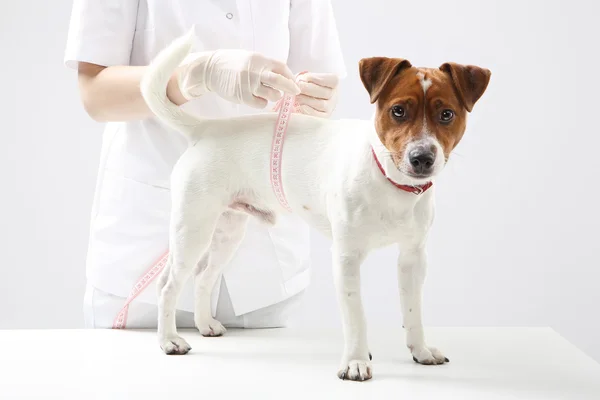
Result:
<point x="129" y="232"/>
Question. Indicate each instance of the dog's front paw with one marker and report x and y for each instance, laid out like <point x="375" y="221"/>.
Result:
<point x="174" y="345"/>
<point x="356" y="370"/>
<point x="210" y="327"/>
<point x="428" y="355"/>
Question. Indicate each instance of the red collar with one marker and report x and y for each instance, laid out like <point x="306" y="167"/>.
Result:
<point x="407" y="188"/>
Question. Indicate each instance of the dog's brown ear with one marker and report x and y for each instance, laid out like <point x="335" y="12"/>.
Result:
<point x="469" y="82"/>
<point x="376" y="72"/>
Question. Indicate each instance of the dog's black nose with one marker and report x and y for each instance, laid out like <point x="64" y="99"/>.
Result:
<point x="421" y="160"/>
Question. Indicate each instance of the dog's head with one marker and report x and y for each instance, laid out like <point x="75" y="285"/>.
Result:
<point x="421" y="112"/>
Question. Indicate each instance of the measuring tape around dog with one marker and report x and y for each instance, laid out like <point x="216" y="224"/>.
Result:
<point x="286" y="106"/>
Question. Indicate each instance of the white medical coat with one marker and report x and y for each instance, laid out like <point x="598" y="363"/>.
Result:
<point x="130" y="213"/>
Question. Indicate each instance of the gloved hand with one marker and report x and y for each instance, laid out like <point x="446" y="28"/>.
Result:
<point x="319" y="94"/>
<point x="239" y="76"/>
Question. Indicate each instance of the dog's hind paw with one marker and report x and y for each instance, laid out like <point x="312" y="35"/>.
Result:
<point x="428" y="356"/>
<point x="357" y="370"/>
<point x="175" y="345"/>
<point x="210" y="328"/>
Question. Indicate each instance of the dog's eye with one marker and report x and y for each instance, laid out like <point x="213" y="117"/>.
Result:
<point x="447" y="116"/>
<point x="399" y="112"/>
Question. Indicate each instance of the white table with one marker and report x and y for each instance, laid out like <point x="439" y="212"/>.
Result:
<point x="486" y="364"/>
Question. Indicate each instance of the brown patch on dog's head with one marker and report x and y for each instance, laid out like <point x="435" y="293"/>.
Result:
<point x="421" y="112"/>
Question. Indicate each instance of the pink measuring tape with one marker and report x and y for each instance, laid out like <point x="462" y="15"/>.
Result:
<point x="121" y="318"/>
<point x="286" y="106"/>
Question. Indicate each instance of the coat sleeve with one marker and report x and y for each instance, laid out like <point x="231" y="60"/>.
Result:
<point x="314" y="39"/>
<point x="101" y="32"/>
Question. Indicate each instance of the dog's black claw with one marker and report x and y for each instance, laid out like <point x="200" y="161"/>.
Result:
<point x="415" y="359"/>
<point x="446" y="359"/>
<point x="343" y="375"/>
<point x="370" y="357"/>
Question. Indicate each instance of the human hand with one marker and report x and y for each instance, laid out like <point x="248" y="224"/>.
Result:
<point x="239" y="76"/>
<point x="319" y="94"/>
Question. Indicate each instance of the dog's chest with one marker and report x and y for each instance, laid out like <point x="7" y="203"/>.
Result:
<point x="383" y="226"/>
<point x="393" y="227"/>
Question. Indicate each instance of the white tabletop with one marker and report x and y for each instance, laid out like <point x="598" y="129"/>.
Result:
<point x="486" y="364"/>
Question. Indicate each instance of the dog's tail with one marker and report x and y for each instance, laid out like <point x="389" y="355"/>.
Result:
<point x="154" y="85"/>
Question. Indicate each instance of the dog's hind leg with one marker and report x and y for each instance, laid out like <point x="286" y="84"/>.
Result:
<point x="226" y="239"/>
<point x="191" y="235"/>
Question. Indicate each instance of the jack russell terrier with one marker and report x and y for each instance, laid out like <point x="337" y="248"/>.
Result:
<point x="365" y="184"/>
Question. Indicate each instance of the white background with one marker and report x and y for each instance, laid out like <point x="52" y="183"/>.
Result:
<point x="515" y="239"/>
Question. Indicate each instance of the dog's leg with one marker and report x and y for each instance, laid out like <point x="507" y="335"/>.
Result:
<point x="226" y="239"/>
<point x="190" y="239"/>
<point x="346" y="272"/>
<point x="164" y="275"/>
<point x="412" y="267"/>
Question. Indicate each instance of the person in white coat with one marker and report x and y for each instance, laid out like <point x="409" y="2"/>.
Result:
<point x="250" y="47"/>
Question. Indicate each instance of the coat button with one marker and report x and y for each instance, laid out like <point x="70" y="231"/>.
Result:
<point x="229" y="15"/>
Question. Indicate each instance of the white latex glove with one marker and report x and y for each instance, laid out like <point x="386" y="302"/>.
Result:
<point x="239" y="76"/>
<point x="319" y="94"/>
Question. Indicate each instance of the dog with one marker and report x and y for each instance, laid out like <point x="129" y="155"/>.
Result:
<point x="365" y="184"/>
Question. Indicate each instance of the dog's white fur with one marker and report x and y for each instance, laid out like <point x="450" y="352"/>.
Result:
<point x="331" y="181"/>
